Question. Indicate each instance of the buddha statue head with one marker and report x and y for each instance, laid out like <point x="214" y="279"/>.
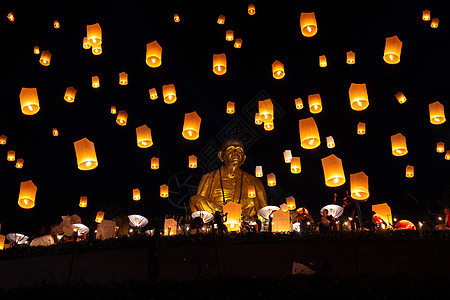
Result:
<point x="232" y="154"/>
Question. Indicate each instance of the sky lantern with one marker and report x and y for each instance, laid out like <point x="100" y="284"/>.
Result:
<point x="251" y="9"/>
<point x="233" y="211"/>
<point x="278" y="70"/>
<point x="251" y="191"/>
<point x="192" y="161"/>
<point x="95" y="82"/>
<point x="153" y="55"/>
<point x="164" y="191"/>
<point x="296" y="166"/>
<point x="437" y="114"/>
<point x="136" y="194"/>
<point x="99" y="217"/>
<point x="56" y="24"/>
<point x="97" y="49"/>
<point x="426" y="15"/>
<point x="3" y="139"/>
<point x="2" y="242"/>
<point x="265" y="110"/>
<point x="94" y="34"/>
<point x="361" y="128"/>
<point x="170" y="227"/>
<point x="330" y="142"/>
<point x="398" y="143"/>
<point x="315" y="103"/>
<point x="176" y="18"/>
<point x="271" y="179"/>
<point x="281" y="221"/>
<point x="123" y="78"/>
<point x="392" y="50"/>
<point x="154" y="163"/>
<point x="400" y="97"/>
<point x="83" y="201"/>
<point x="258" y="120"/>
<point x="238" y="43"/>
<point x="298" y="103"/>
<point x="19" y="163"/>
<point x="229" y="35"/>
<point x="27" y="194"/>
<point x="333" y="171"/>
<point x="440" y="147"/>
<point x="219" y="64"/>
<point x="113" y="110"/>
<point x="144" y="136"/>
<point x="69" y="96"/>
<point x="122" y="118"/>
<point x="359" y="100"/>
<point x="55" y="132"/>
<point x="86" y="44"/>
<point x="153" y="94"/>
<point x="230" y="107"/>
<point x="191" y="126"/>
<point x="322" y="61"/>
<point x="45" y="58"/>
<point x="351" y="58"/>
<point x="290" y="202"/>
<point x="384" y="211"/>
<point x="359" y="186"/>
<point x="409" y="173"/>
<point x="309" y="133"/>
<point x="29" y="101"/>
<point x="11" y="155"/>
<point x="269" y="125"/>
<point x="86" y="156"/>
<point x="36" y="50"/>
<point x="287" y="155"/>
<point x="434" y="23"/>
<point x="308" y="24"/>
<point x="221" y="20"/>
<point x="10" y="16"/>
<point x="258" y="171"/>
<point x="447" y="155"/>
<point x="169" y="93"/>
<point x="284" y="207"/>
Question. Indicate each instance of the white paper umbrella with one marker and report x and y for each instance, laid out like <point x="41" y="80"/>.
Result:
<point x="137" y="220"/>
<point x="333" y="210"/>
<point x="80" y="228"/>
<point x="17" y="238"/>
<point x="267" y="210"/>
<point x="206" y="216"/>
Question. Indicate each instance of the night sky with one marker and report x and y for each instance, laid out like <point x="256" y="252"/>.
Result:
<point x="273" y="33"/>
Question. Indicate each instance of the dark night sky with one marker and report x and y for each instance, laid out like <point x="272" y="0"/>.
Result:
<point x="272" y="34"/>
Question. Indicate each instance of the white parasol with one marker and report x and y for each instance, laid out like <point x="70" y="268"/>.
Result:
<point x="333" y="210"/>
<point x="137" y="221"/>
<point x="206" y="216"/>
<point x="267" y="210"/>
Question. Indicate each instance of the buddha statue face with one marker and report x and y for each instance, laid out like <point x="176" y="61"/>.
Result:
<point x="232" y="154"/>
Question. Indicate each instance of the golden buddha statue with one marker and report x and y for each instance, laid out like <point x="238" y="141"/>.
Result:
<point x="229" y="184"/>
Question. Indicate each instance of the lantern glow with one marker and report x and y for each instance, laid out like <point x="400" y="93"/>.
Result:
<point x="85" y="153"/>
<point x="392" y="50"/>
<point x="315" y="103"/>
<point x="27" y="194"/>
<point x="278" y="70"/>
<point x="308" y="24"/>
<point x="191" y="126"/>
<point x="169" y="93"/>
<point x="309" y="133"/>
<point x="69" y="96"/>
<point x="398" y="143"/>
<point x="296" y="166"/>
<point x="219" y="64"/>
<point x="153" y="56"/>
<point x="359" y="100"/>
<point x="359" y="186"/>
<point x="144" y="136"/>
<point x="333" y="171"/>
<point x="437" y="114"/>
<point x="29" y="101"/>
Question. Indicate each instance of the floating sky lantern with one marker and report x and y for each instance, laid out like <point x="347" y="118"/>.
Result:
<point x="359" y="100"/>
<point x="351" y="58"/>
<point x="330" y="142"/>
<point x="154" y="163"/>
<point x="440" y="147"/>
<point x="322" y="61"/>
<point x="11" y="155"/>
<point x="308" y="24"/>
<point x="191" y="126"/>
<point x="384" y="211"/>
<point x="287" y="154"/>
<point x="437" y="114"/>
<point x="176" y="18"/>
<point x="122" y="118"/>
<point x="251" y="191"/>
<point x="153" y="94"/>
<point x="447" y="155"/>
<point x="271" y="179"/>
<point x="359" y="186"/>
<point x="278" y="70"/>
<point x="238" y="43"/>
<point x="113" y="110"/>
<point x="85" y="153"/>
<point x="99" y="217"/>
<point x="230" y="107"/>
<point x="333" y="171"/>
<point x="265" y="110"/>
<point x="315" y="103"/>
<point x="426" y="15"/>
<point x="290" y="202"/>
<point x="258" y="120"/>
<point x="94" y="34"/>
<point x="3" y="139"/>
<point x="392" y="50"/>
<point x="169" y="93"/>
<point x="229" y="35"/>
<point x="70" y="94"/>
<point x="251" y="9"/>
<point x="296" y="166"/>
<point x="144" y="136"/>
<point x="56" y="24"/>
<point x="164" y="191"/>
<point x="219" y="64"/>
<point x="192" y="161"/>
<point x="298" y="103"/>
<point x="10" y="17"/>
<point x="123" y="78"/>
<point x="55" y="132"/>
<point x="258" y="171"/>
<point x="361" y="128"/>
<point x="95" y="82"/>
<point x="400" y="97"/>
<point x="97" y="49"/>
<point x="398" y="143"/>
<point x="136" y="194"/>
<point x="269" y="125"/>
<point x="309" y="133"/>
<point x="19" y="163"/>
<point x="27" y="194"/>
<point x="434" y="23"/>
<point x="45" y="58"/>
<point x="409" y="172"/>
<point x="83" y="201"/>
<point x="170" y="227"/>
<point x="233" y="211"/>
<point x="86" y="44"/>
<point x="2" y="242"/>
<point x="153" y="56"/>
<point x="29" y="101"/>
<point x="221" y="20"/>
<point x="36" y="50"/>
<point x="281" y="221"/>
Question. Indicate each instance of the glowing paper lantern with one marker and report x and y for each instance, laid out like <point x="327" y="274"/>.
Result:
<point x="284" y="207"/>
<point x="154" y="163"/>
<point x="400" y="97"/>
<point x="97" y="49"/>
<point x="29" y="101"/>
<point x="192" y="161"/>
<point x="94" y="34"/>
<point x="434" y="23"/>
<point x="238" y="43"/>
<point x="269" y="125"/>
<point x="27" y="194"/>
<point x="153" y="56"/>
<point x="2" y="242"/>
<point x="290" y="202"/>
<point x="99" y="217"/>
<point x="123" y="78"/>
<point x="11" y="155"/>
<point x="278" y="70"/>
<point x="219" y="64"/>
<point x="86" y="156"/>
<point x="426" y="15"/>
<point x="384" y="211"/>
<point x="233" y="211"/>
<point x="437" y="114"/>
<point x="164" y="191"/>
<point x="153" y="94"/>
<point x="10" y="17"/>
<point x="409" y="171"/>
<point x="258" y="171"/>
<point x="251" y="191"/>
<point x="83" y="201"/>
<point x="221" y="20"/>
<point x="258" y="120"/>
<point x="230" y="107"/>
<point x="398" y="143"/>
<point x="308" y="24"/>
<point x="309" y="133"/>
<point x="136" y="194"/>
<point x="359" y="100"/>
<point x="287" y="154"/>
<point x="440" y="147"/>
<point x="351" y="58"/>
<point x="229" y="35"/>
<point x="36" y="50"/>
<point x="359" y="186"/>
<point x="392" y="50"/>
<point x="113" y="110"/>
<point x="447" y="155"/>
<point x="170" y="227"/>
<point x="191" y="126"/>
<point x="169" y="93"/>
<point x="55" y="132"/>
<point x="330" y="142"/>
<point x="86" y="44"/>
<point x="333" y="171"/>
<point x="315" y="103"/>
<point x="265" y="110"/>
<point x="45" y="58"/>
<point x="296" y="166"/>
<point x="3" y="139"/>
<point x="19" y="163"/>
<point x="251" y="9"/>
<point x="281" y="221"/>
<point x="144" y="136"/>
<point x="176" y="18"/>
<point x="298" y="103"/>
<point x="361" y="129"/>
<point x="271" y="179"/>
<point x="56" y="24"/>
<point x="69" y="96"/>
<point x="122" y="118"/>
<point x="95" y="82"/>
<point x="322" y="61"/>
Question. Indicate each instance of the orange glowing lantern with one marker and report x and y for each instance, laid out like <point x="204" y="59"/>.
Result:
<point x="330" y="142"/>
<point x="308" y="24"/>
<point x="95" y="82"/>
<point x="392" y="50"/>
<point x="230" y="107"/>
<point x="258" y="120"/>
<point x="97" y="49"/>
<point x="154" y="163"/>
<point x="426" y="15"/>
<point x="11" y="155"/>
<point x="251" y="191"/>
<point x="284" y="207"/>
<point x="398" y="143"/>
<point x="440" y="147"/>
<point x="191" y="126"/>
<point x="229" y="35"/>
<point x="170" y="227"/>
<point x="10" y="17"/>
<point x="315" y="103"/>
<point x="296" y="166"/>
<point x="437" y="114"/>
<point x="238" y="43"/>
<point x="258" y="171"/>
<point x="233" y="211"/>
<point x="19" y="163"/>
<point x="219" y="64"/>
<point x="265" y="110"/>
<point x="176" y="18"/>
<point x="269" y="125"/>
<point x="83" y="201"/>
<point x="94" y="34"/>
<point x="271" y="179"/>
<point x="169" y="93"/>
<point x="281" y="221"/>
<point x="136" y="194"/>
<point x="309" y="133"/>
<point x="409" y="171"/>
<point x="278" y="70"/>
<point x="36" y="50"/>
<point x="322" y="61"/>
<point x="287" y="154"/>
<point x="351" y="58"/>
<point x="153" y="94"/>
<point x="298" y="103"/>
<point x="122" y="118"/>
<point x="144" y="136"/>
<point x="359" y="100"/>
<point x="3" y="139"/>
<point x="333" y="171"/>
<point x="29" y="101"/>
<point x="2" y="242"/>
<point x="434" y="23"/>
<point x="85" y="153"/>
<point x="69" y="96"/>
<point x="56" y="24"/>
<point x="192" y="161"/>
<point x="99" y="217"/>
<point x="290" y="202"/>
<point x="164" y="191"/>
<point x="400" y="97"/>
<point x="86" y="44"/>
<point x="251" y="9"/>
<point x="153" y="55"/>
<point x="123" y="78"/>
<point x="221" y="20"/>
<point x="55" y="132"/>
<point x="447" y="155"/>
<point x="113" y="110"/>
<point x="361" y="129"/>
<point x="359" y="186"/>
<point x="27" y="194"/>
